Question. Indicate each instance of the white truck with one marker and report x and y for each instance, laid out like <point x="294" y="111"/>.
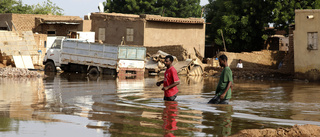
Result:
<point x="74" y="55"/>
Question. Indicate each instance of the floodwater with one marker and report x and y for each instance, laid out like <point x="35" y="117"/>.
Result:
<point x="80" y="105"/>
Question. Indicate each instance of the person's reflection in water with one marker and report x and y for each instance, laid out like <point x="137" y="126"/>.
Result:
<point x="225" y="119"/>
<point x="169" y="116"/>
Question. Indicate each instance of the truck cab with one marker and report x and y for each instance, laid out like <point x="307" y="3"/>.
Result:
<point x="52" y="58"/>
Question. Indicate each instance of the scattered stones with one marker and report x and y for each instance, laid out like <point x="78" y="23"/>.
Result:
<point x="17" y="72"/>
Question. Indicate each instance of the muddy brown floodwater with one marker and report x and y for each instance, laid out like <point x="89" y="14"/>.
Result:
<point x="80" y="105"/>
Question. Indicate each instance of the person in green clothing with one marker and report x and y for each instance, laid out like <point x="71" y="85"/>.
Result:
<point x="224" y="88"/>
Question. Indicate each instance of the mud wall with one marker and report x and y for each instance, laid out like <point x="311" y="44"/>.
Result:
<point x="85" y="26"/>
<point x="41" y="43"/>
<point x="190" y="36"/>
<point x="116" y="27"/>
<point x="3" y="18"/>
<point x="306" y="61"/>
<point x="257" y="59"/>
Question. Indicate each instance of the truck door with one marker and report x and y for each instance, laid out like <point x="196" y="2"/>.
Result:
<point x="54" y="52"/>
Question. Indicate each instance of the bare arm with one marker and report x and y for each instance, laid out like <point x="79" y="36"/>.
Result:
<point x="171" y="86"/>
<point x="159" y="83"/>
<point x="226" y="90"/>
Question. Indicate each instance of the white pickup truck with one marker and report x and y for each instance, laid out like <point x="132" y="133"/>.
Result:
<point x="74" y="55"/>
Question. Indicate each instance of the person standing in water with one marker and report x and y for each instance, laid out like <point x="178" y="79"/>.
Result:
<point x="224" y="88"/>
<point x="171" y="80"/>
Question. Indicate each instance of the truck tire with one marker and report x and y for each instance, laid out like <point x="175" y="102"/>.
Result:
<point x="94" y="71"/>
<point x="50" y="67"/>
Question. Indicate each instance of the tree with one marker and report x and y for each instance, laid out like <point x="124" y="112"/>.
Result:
<point x="283" y="11"/>
<point x="14" y="6"/>
<point x="171" y="8"/>
<point x="47" y="7"/>
<point x="243" y="22"/>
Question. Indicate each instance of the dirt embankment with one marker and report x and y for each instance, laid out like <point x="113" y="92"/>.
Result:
<point x="295" y="131"/>
<point x="252" y="73"/>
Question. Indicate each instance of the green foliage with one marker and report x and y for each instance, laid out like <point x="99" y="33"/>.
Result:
<point x="171" y="8"/>
<point x="47" y="7"/>
<point x="243" y="22"/>
<point x="14" y="6"/>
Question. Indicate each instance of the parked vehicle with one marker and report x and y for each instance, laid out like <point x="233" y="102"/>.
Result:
<point x="74" y="55"/>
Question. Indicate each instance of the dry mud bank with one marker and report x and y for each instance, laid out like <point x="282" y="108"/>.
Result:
<point x="295" y="131"/>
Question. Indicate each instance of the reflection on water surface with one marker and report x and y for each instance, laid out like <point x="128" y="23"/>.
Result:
<point x="81" y="105"/>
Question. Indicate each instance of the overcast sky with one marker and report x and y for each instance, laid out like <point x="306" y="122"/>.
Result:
<point x="79" y="7"/>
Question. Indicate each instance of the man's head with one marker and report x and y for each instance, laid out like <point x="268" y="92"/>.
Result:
<point x="240" y="61"/>
<point x="168" y="61"/>
<point x="223" y="60"/>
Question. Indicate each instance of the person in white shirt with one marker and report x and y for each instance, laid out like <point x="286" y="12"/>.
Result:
<point x="239" y="65"/>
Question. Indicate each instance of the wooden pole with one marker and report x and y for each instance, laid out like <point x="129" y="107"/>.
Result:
<point x="202" y="12"/>
<point x="224" y="44"/>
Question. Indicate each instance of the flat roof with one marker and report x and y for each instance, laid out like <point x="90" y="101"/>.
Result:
<point x="156" y="18"/>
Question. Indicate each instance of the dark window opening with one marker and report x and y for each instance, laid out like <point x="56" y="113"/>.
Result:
<point x="3" y="28"/>
<point x="51" y="32"/>
<point x="131" y="72"/>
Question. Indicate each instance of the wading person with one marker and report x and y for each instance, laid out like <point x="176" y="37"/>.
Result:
<point x="224" y="88"/>
<point x="171" y="80"/>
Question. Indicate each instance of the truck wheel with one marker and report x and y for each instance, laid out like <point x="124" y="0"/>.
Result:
<point x="94" y="70"/>
<point x="50" y="67"/>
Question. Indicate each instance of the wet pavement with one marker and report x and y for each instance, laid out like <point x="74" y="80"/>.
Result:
<point x="80" y="105"/>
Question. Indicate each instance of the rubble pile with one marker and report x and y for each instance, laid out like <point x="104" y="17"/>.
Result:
<point x="17" y="72"/>
<point x="190" y="67"/>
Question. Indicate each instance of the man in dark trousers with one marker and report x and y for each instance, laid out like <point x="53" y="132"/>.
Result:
<point x="171" y="80"/>
<point x="224" y="88"/>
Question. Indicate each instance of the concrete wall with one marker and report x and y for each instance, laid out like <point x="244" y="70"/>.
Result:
<point x="306" y="61"/>
<point x="116" y="28"/>
<point x="190" y="36"/>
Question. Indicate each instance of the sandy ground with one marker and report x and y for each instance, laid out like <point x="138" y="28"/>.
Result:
<point x="295" y="131"/>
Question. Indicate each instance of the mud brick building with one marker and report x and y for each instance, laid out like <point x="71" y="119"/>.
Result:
<point x="150" y="31"/>
<point x="53" y="25"/>
<point x="306" y="44"/>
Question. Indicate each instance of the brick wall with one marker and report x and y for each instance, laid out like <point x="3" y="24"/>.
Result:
<point x="28" y="22"/>
<point x="175" y="50"/>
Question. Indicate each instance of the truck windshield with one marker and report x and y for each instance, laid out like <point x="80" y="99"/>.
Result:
<point x="56" y="44"/>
